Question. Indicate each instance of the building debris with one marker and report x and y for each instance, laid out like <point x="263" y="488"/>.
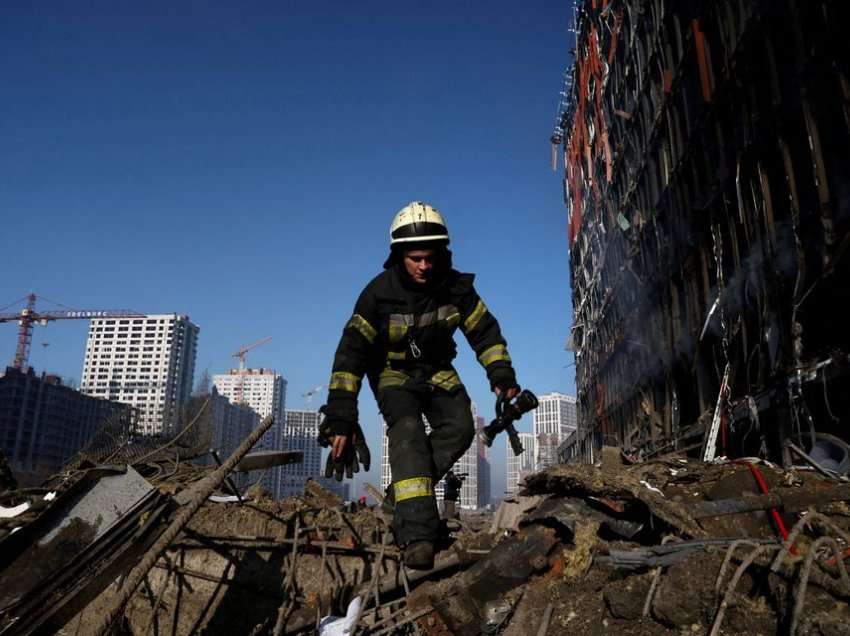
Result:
<point x="652" y="547"/>
<point x="706" y="157"/>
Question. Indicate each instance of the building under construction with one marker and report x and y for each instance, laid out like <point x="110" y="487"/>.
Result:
<point x="707" y="162"/>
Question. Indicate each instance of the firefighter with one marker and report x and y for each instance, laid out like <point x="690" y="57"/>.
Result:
<point x="451" y="493"/>
<point x="400" y="338"/>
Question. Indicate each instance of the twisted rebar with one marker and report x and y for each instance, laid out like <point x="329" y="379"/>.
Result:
<point x="805" y="571"/>
<point x="200" y="491"/>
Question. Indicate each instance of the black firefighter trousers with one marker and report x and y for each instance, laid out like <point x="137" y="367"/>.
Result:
<point x="419" y="460"/>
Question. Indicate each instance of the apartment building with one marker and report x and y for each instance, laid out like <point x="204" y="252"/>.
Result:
<point x="518" y="466"/>
<point x="553" y="421"/>
<point x="300" y="431"/>
<point x="147" y="362"/>
<point x="231" y="423"/>
<point x="484" y="468"/>
<point x="44" y="423"/>
<point x="263" y="391"/>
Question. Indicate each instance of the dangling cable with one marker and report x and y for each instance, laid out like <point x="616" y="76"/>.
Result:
<point x="826" y="400"/>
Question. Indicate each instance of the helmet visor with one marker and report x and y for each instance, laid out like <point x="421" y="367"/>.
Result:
<point x="419" y="232"/>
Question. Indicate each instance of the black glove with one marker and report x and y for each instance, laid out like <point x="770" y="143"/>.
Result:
<point x="356" y="452"/>
<point x="505" y="385"/>
<point x="330" y="427"/>
<point x="362" y="450"/>
<point x="325" y="438"/>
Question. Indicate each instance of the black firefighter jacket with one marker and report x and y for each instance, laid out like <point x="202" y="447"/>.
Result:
<point x="402" y="335"/>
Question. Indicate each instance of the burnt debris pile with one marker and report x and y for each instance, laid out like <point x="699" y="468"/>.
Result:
<point x="662" y="546"/>
<point x="669" y="546"/>
<point x="723" y="548"/>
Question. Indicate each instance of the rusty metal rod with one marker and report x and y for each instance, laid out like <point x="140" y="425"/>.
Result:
<point x="409" y="619"/>
<point x="547" y="618"/>
<point x="158" y="602"/>
<point x="197" y="574"/>
<point x="372" y="589"/>
<point x="227" y="480"/>
<point x="795" y="500"/>
<point x="391" y="582"/>
<point x="285" y="607"/>
<point x="198" y="495"/>
<point x="808" y="459"/>
<point x="283" y="544"/>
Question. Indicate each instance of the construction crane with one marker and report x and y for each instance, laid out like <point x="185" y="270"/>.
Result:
<point x="309" y="394"/>
<point x="241" y="354"/>
<point x="244" y="349"/>
<point x="28" y="317"/>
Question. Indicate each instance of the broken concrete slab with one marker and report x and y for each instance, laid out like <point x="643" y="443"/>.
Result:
<point x="510" y="511"/>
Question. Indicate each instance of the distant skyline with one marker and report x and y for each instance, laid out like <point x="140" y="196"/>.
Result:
<point x="241" y="163"/>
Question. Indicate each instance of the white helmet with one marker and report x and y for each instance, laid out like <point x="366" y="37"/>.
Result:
<point x="418" y="222"/>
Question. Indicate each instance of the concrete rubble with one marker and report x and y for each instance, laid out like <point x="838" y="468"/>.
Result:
<point x="705" y="149"/>
<point x="672" y="545"/>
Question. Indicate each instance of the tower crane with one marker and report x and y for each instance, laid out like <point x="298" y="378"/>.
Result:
<point x="241" y="354"/>
<point x="28" y="317"/>
<point x="309" y="394"/>
<point x="244" y="349"/>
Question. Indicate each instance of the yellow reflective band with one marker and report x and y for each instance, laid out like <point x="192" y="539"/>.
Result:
<point x="396" y="355"/>
<point x="446" y="311"/>
<point x="411" y="488"/>
<point x="362" y="325"/>
<point x="344" y="381"/>
<point x="475" y="317"/>
<point x="496" y="353"/>
<point x="447" y="380"/>
<point x="430" y="317"/>
<point x="398" y="326"/>
<point x="391" y="377"/>
<point x="452" y="319"/>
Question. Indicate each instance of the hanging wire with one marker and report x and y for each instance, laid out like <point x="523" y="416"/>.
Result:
<point x="826" y="399"/>
<point x="53" y="302"/>
<point x="14" y="303"/>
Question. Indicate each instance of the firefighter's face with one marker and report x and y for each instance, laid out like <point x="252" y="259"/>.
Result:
<point x="420" y="264"/>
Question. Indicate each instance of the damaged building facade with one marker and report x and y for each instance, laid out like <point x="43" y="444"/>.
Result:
<point x="706" y="150"/>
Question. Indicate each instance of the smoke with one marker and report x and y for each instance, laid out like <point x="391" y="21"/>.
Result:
<point x="645" y="336"/>
<point x="744" y="287"/>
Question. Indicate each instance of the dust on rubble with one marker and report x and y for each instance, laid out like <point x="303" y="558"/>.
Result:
<point x="671" y="546"/>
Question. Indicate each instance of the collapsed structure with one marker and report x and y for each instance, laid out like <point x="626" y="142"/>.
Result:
<point x="707" y="162"/>
<point x="706" y="148"/>
<point x="158" y="545"/>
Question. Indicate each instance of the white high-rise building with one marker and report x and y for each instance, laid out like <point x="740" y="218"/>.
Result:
<point x="147" y="362"/>
<point x="484" y="468"/>
<point x="468" y="463"/>
<point x="300" y="432"/>
<point x="519" y="465"/>
<point x="264" y="391"/>
<point x="554" y="420"/>
<point x="386" y="472"/>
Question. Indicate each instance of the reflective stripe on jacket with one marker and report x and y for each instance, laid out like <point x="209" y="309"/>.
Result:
<point x="402" y="335"/>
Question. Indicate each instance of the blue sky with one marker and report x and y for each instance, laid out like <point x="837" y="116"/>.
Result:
<point x="241" y="163"/>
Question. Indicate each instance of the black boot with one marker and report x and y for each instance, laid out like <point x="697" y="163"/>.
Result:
<point x="419" y="555"/>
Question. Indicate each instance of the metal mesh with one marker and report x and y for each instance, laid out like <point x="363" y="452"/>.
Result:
<point x="117" y="442"/>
